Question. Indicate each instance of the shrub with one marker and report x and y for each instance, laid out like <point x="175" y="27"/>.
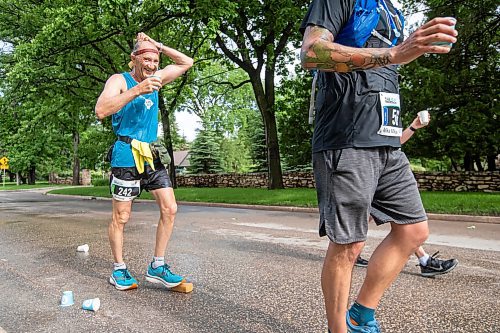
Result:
<point x="100" y="181"/>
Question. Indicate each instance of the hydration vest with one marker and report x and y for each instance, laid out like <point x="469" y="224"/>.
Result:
<point x="363" y="23"/>
<point x="361" y="26"/>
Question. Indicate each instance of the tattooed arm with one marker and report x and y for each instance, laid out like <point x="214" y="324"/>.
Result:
<point x="319" y="51"/>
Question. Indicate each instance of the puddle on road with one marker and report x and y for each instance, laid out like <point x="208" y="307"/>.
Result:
<point x="13" y="222"/>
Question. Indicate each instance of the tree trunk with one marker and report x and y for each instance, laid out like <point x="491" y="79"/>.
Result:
<point x="265" y="102"/>
<point x="167" y="139"/>
<point x="454" y="164"/>
<point x="492" y="166"/>
<point x="275" y="179"/>
<point x="18" y="178"/>
<point x="468" y="166"/>
<point x="31" y="175"/>
<point x="477" y="161"/>
<point x="76" y="159"/>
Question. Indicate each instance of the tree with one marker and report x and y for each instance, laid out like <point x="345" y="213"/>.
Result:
<point x="223" y="100"/>
<point x="94" y="145"/>
<point x="205" y="153"/>
<point x="67" y="53"/>
<point x="460" y="89"/>
<point x="292" y="114"/>
<point x="255" y="138"/>
<point x="235" y="154"/>
<point x="30" y="140"/>
<point x="254" y="35"/>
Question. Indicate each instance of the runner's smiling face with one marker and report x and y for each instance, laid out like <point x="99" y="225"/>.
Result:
<point x="145" y="64"/>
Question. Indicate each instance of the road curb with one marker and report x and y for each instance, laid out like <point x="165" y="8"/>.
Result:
<point x="310" y="210"/>
<point x="314" y="210"/>
<point x="464" y="218"/>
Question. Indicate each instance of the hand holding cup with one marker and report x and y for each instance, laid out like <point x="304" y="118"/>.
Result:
<point x="453" y="33"/>
<point x="150" y="84"/>
<point x="421" y="120"/>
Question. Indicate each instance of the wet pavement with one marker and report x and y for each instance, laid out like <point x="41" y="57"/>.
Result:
<point x="253" y="271"/>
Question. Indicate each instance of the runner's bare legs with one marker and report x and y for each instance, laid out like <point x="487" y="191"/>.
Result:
<point x="121" y="215"/>
<point x="165" y="199"/>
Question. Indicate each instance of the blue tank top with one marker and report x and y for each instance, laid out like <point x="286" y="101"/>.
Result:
<point x="137" y="120"/>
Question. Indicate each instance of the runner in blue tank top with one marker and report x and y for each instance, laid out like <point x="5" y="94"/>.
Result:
<point x="131" y="99"/>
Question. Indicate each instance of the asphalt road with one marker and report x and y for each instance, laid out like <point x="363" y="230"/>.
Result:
<point x="253" y="271"/>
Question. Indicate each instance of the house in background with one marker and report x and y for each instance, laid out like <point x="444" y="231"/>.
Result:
<point x="181" y="161"/>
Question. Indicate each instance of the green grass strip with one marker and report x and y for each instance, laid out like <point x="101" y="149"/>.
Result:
<point x="11" y="186"/>
<point x="468" y="203"/>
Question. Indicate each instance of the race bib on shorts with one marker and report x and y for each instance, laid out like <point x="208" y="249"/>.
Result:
<point x="125" y="190"/>
<point x="391" y="115"/>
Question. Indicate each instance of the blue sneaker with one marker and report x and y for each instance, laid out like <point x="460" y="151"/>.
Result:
<point x="122" y="280"/>
<point x="163" y="275"/>
<point x="369" y="327"/>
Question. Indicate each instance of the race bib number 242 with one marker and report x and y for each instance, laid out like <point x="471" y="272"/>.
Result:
<point x="125" y="190"/>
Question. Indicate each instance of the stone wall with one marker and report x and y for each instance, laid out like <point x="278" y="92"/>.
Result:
<point x="85" y="178"/>
<point x="459" y="181"/>
<point x="256" y="180"/>
<point x="427" y="181"/>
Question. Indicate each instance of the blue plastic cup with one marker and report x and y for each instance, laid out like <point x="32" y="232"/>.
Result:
<point x="92" y="304"/>
<point x="67" y="298"/>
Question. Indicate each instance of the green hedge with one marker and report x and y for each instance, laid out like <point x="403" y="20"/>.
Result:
<point x="100" y="182"/>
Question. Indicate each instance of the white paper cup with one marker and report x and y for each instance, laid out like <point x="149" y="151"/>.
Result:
<point x="67" y="298"/>
<point x="92" y="304"/>
<point x="423" y="116"/>
<point x="83" y="248"/>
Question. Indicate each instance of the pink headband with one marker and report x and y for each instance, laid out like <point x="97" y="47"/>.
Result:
<point x="145" y="51"/>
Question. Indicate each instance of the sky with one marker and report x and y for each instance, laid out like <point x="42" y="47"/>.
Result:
<point x="187" y="123"/>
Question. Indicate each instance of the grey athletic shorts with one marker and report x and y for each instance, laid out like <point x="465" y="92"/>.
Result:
<point x="353" y="183"/>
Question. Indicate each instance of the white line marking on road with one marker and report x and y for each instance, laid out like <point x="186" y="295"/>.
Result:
<point x="321" y="243"/>
<point x="464" y="242"/>
<point x="275" y="226"/>
<point x="446" y="240"/>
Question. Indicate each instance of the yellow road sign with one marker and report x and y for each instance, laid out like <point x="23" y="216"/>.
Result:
<point x="4" y="163"/>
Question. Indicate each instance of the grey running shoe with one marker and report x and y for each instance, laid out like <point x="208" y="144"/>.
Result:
<point x="437" y="266"/>
<point x="360" y="262"/>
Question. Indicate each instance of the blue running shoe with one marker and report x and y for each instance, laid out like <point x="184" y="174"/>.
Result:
<point x="122" y="280"/>
<point x="369" y="327"/>
<point x="163" y="275"/>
